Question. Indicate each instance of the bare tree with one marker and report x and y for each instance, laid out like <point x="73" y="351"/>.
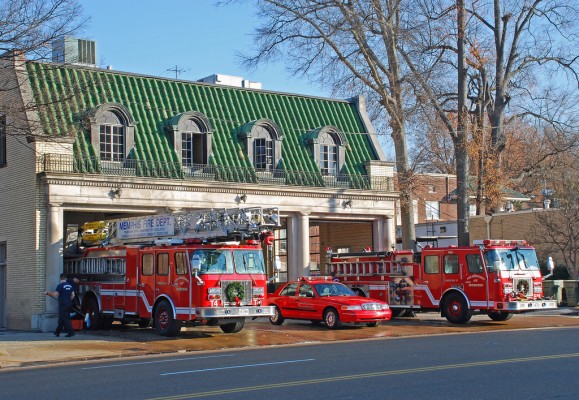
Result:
<point x="558" y="228"/>
<point x="27" y="30"/>
<point x="351" y="47"/>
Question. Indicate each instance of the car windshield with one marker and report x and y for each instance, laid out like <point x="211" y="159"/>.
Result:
<point x="212" y="261"/>
<point x="512" y="259"/>
<point x="249" y="262"/>
<point x="333" y="289"/>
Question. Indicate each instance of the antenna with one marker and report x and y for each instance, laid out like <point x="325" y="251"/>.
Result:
<point x="177" y="71"/>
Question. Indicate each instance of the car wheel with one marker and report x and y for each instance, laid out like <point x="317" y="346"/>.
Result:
<point x="500" y="315"/>
<point x="373" y="324"/>
<point x="332" y="319"/>
<point x="456" y="309"/>
<point x="276" y="318"/>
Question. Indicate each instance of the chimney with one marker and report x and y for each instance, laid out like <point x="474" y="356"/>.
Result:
<point x="546" y="204"/>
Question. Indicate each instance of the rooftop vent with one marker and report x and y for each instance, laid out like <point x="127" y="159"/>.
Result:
<point x="70" y="50"/>
<point x="228" y="80"/>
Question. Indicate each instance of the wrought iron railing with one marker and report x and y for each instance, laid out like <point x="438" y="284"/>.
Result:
<point x="58" y="163"/>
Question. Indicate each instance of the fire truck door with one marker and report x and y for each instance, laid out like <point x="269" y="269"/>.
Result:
<point x="163" y="277"/>
<point x="475" y="282"/>
<point x="146" y="292"/>
<point x="429" y="293"/>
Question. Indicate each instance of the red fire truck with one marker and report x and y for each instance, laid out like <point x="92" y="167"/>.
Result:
<point x="494" y="277"/>
<point x="202" y="267"/>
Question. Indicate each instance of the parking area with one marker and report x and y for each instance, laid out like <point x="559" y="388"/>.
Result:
<point x="20" y="349"/>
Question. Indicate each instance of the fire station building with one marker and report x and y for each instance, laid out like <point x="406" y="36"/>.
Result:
<point x="79" y="143"/>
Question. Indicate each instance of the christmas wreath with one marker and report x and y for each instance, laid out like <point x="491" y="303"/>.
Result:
<point x="235" y="292"/>
<point x="523" y="286"/>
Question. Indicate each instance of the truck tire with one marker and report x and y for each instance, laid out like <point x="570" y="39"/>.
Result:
<point x="276" y="318"/>
<point x="332" y="318"/>
<point x="500" y="315"/>
<point x="456" y="310"/>
<point x="165" y="323"/>
<point x="90" y="307"/>
<point x="233" y="327"/>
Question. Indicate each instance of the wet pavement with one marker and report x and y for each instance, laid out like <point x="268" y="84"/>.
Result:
<point x="22" y="349"/>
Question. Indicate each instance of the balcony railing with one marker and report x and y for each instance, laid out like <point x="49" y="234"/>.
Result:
<point x="58" y="163"/>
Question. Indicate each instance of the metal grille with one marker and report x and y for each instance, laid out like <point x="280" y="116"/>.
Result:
<point x="247" y="295"/>
<point x="372" y="306"/>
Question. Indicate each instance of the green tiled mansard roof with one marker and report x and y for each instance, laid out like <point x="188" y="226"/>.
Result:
<point x="66" y="93"/>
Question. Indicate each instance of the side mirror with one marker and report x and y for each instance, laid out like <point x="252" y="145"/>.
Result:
<point x="550" y="264"/>
<point x="195" y="264"/>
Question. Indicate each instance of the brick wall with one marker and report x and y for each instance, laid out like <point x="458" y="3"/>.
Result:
<point x="20" y="202"/>
<point x="355" y="236"/>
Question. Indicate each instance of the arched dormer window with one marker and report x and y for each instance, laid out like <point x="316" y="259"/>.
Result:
<point x="112" y="132"/>
<point x="191" y="134"/>
<point x="328" y="146"/>
<point x="262" y="140"/>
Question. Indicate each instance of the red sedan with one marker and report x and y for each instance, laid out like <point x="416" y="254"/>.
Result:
<point x="319" y="299"/>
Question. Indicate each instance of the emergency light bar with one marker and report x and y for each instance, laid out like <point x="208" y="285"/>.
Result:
<point x="497" y="242"/>
<point x="315" y="278"/>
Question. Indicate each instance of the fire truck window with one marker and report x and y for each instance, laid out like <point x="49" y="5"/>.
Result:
<point x="474" y="263"/>
<point x="451" y="264"/>
<point x="249" y="262"/>
<point x="163" y="264"/>
<point x="289" y="290"/>
<point x="213" y="261"/>
<point x="147" y="264"/>
<point x="180" y="264"/>
<point x="431" y="264"/>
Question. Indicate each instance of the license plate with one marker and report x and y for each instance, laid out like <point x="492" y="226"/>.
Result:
<point x="243" y="311"/>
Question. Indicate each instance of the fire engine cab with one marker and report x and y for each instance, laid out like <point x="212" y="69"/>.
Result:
<point x="201" y="267"/>
<point x="494" y="277"/>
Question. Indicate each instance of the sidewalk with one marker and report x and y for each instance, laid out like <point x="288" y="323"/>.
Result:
<point x="21" y="349"/>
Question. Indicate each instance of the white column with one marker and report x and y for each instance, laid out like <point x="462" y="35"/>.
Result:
<point x="304" y="244"/>
<point x="378" y="235"/>
<point x="54" y="249"/>
<point x="292" y="247"/>
<point x="389" y="231"/>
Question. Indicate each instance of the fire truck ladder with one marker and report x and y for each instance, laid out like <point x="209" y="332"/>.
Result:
<point x="199" y="224"/>
<point x="365" y="268"/>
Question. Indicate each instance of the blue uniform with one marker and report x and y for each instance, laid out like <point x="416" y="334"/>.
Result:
<point x="65" y="291"/>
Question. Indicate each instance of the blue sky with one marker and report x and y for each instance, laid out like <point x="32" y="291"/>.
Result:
<point x="153" y="36"/>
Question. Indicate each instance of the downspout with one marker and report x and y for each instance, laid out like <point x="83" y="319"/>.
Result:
<point x="488" y="219"/>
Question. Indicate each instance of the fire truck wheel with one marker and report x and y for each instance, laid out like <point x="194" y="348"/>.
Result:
<point x="456" y="309"/>
<point x="373" y="324"/>
<point x="276" y="318"/>
<point x="90" y="307"/>
<point x="233" y="327"/>
<point x="500" y="315"/>
<point x="332" y="319"/>
<point x="165" y="323"/>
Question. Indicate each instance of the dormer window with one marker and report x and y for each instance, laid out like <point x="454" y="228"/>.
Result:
<point x="263" y="142"/>
<point x="112" y="132"/>
<point x="328" y="146"/>
<point x="112" y="137"/>
<point x="191" y="134"/>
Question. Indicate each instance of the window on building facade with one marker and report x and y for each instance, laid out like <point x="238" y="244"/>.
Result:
<point x="262" y="139"/>
<point x="112" y="137"/>
<point x="112" y="132"/>
<point x="432" y="210"/>
<point x="191" y="134"/>
<point x="263" y="153"/>
<point x="328" y="146"/>
<point x="2" y="141"/>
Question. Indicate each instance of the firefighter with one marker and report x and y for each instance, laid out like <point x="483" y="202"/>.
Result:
<point x="64" y="293"/>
